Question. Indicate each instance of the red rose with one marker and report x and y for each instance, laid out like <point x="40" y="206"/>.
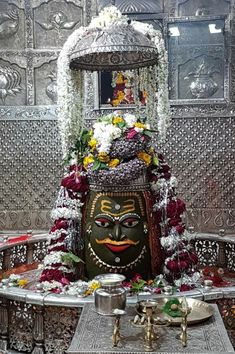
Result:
<point x="61" y="224"/>
<point x="186" y="287"/>
<point x="180" y="206"/>
<point x="180" y="229"/>
<point x="56" y="290"/>
<point x="175" y="208"/>
<point x="136" y="277"/>
<point x="75" y="183"/>
<point x="175" y="221"/>
<point x="51" y="274"/>
<point x="62" y="248"/>
<point x="65" y="281"/>
<point x="183" y="265"/>
<point x="173" y="266"/>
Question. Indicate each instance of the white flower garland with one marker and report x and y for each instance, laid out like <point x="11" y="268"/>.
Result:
<point x="71" y="83"/>
<point x="66" y="213"/>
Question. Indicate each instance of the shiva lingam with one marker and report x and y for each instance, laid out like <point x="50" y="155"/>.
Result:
<point x="149" y="323"/>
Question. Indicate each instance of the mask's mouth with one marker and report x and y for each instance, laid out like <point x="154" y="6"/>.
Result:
<point x="117" y="246"/>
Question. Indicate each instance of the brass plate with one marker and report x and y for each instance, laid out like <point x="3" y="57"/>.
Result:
<point x="200" y="311"/>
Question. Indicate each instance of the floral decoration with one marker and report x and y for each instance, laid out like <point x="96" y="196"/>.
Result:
<point x="150" y="80"/>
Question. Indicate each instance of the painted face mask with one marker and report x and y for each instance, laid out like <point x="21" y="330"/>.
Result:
<point x="117" y="234"/>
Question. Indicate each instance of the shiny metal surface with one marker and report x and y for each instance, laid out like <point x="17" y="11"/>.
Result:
<point x="211" y="337"/>
<point x="199" y="310"/>
<point x="111" y="295"/>
<point x="199" y="144"/>
<point x="114" y="48"/>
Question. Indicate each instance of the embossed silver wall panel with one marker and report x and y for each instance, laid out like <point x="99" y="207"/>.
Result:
<point x="200" y="144"/>
<point x="31" y="35"/>
<point x="30" y="173"/>
<point x="201" y="153"/>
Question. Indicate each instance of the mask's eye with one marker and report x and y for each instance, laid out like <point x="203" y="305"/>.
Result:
<point x="102" y="222"/>
<point x="130" y="222"/>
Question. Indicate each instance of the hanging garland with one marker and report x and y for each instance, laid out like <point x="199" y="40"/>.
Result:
<point x="71" y="83"/>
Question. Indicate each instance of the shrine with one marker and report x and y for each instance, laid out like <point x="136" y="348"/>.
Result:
<point x="117" y="228"/>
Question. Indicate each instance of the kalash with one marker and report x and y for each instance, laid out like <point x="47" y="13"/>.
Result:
<point x="117" y="210"/>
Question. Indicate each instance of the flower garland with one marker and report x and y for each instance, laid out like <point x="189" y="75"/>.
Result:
<point x="180" y="265"/>
<point x="71" y="83"/>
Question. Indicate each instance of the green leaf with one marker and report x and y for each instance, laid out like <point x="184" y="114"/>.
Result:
<point x="148" y="133"/>
<point x="96" y="165"/>
<point x="103" y="166"/>
<point x="122" y="125"/>
<point x="71" y="258"/>
<point x="138" y="285"/>
<point x="169" y="311"/>
<point x="155" y="160"/>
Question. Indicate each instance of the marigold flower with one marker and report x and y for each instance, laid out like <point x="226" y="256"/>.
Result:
<point x="103" y="157"/>
<point x="117" y="120"/>
<point x="92" y="143"/>
<point x="140" y="125"/>
<point x="113" y="163"/>
<point x="22" y="282"/>
<point x="145" y="157"/>
<point x="87" y="161"/>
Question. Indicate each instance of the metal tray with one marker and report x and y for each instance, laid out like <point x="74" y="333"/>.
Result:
<point x="200" y="311"/>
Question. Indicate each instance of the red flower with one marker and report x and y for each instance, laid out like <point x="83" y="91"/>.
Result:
<point x="62" y="248"/>
<point x="186" y="287"/>
<point x="75" y="183"/>
<point x="56" y="290"/>
<point x="136" y="277"/>
<point x="65" y="281"/>
<point x="131" y="133"/>
<point x="175" y="221"/>
<point x="175" y="208"/>
<point x="173" y="266"/>
<point x="51" y="274"/>
<point x="157" y="291"/>
<point x="180" y="228"/>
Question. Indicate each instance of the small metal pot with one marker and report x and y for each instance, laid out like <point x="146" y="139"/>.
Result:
<point x="111" y="295"/>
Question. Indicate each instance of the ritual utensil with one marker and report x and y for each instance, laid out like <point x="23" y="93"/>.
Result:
<point x="116" y="337"/>
<point x="111" y="295"/>
<point x="185" y="310"/>
<point x="146" y="319"/>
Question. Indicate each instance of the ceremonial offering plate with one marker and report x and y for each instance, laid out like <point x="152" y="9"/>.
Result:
<point x="199" y="311"/>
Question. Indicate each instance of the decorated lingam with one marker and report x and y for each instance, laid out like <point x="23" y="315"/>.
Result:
<point x="117" y="210"/>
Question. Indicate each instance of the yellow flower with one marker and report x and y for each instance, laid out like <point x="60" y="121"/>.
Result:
<point x="117" y="120"/>
<point x="92" y="287"/>
<point x="103" y="157"/>
<point x="92" y="143"/>
<point x="113" y="163"/>
<point x="87" y="161"/>
<point x="140" y="125"/>
<point x="145" y="157"/>
<point x="22" y="282"/>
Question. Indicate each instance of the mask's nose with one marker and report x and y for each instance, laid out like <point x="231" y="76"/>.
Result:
<point x="117" y="232"/>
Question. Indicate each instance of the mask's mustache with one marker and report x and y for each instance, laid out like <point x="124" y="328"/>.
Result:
<point x="117" y="243"/>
